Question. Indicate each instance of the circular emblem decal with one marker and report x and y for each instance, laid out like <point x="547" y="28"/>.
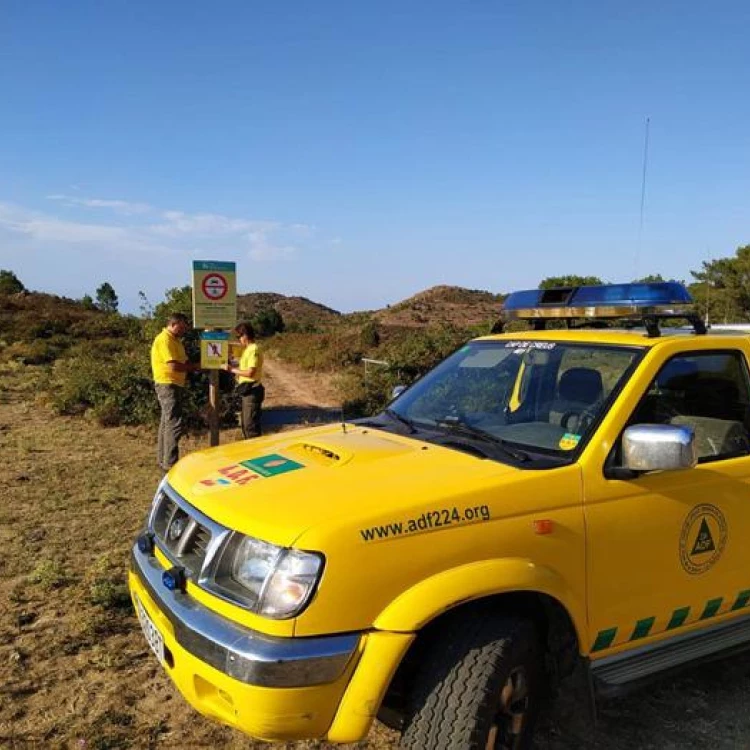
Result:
<point x="176" y="528"/>
<point x="703" y="538"/>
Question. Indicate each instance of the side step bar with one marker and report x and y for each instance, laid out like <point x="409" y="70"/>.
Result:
<point x="616" y="674"/>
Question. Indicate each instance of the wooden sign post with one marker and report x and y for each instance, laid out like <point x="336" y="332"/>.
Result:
<point x="214" y="307"/>
<point x="214" y="354"/>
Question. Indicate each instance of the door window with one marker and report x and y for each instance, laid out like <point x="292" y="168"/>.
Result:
<point x="707" y="391"/>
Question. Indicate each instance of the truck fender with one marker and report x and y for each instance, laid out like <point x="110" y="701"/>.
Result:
<point x="420" y="604"/>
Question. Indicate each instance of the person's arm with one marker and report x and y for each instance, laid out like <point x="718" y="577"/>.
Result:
<point x="242" y="373"/>
<point x="175" y="366"/>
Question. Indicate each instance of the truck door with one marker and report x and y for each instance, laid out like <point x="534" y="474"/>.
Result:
<point x="669" y="552"/>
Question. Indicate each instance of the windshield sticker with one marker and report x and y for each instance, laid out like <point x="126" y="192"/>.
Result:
<point x="271" y="465"/>
<point x="569" y="441"/>
<point x="545" y="345"/>
<point x="703" y="538"/>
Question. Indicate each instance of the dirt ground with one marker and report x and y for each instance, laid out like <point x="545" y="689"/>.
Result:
<point x="288" y="386"/>
<point x="75" y="671"/>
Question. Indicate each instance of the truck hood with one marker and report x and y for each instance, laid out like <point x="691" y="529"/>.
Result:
<point x="276" y="488"/>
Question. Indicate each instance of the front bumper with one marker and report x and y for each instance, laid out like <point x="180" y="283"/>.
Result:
<point x="272" y="688"/>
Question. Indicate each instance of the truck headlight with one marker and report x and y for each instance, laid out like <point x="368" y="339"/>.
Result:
<point x="272" y="581"/>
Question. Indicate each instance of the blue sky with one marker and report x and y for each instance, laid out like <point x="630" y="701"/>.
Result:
<point x="356" y="153"/>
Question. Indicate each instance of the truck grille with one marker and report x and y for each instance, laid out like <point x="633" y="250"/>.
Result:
<point x="182" y="532"/>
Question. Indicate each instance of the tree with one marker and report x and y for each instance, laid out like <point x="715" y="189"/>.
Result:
<point x="652" y="278"/>
<point x="569" y="280"/>
<point x="722" y="287"/>
<point x="179" y="299"/>
<point x="106" y="298"/>
<point x="88" y="302"/>
<point x="267" y="322"/>
<point x="146" y="308"/>
<point x="10" y="283"/>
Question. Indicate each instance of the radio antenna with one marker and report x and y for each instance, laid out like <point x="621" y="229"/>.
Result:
<point x="643" y="200"/>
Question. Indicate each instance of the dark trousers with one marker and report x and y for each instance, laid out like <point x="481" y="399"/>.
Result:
<point x="251" y="409"/>
<point x="172" y="424"/>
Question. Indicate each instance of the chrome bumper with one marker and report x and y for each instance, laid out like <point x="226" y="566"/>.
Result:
<point x="244" y="654"/>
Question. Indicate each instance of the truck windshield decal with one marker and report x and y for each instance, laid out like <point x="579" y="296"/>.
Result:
<point x="430" y="520"/>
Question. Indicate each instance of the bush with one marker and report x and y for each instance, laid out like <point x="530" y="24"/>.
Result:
<point x="115" y="386"/>
<point x="49" y="574"/>
<point x="116" y="389"/>
<point x="321" y="351"/>
<point x="109" y="594"/>
<point x="37" y="352"/>
<point x="364" y="396"/>
<point x="369" y="335"/>
<point x="268" y="322"/>
<point x="10" y="283"/>
<point x="415" y="352"/>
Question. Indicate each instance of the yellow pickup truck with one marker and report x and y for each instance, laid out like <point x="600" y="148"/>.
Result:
<point x="562" y="497"/>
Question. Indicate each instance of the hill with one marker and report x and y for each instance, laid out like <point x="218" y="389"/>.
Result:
<point x="37" y="327"/>
<point x="453" y="305"/>
<point x="297" y="312"/>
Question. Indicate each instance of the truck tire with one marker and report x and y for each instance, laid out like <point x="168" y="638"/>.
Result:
<point x="479" y="687"/>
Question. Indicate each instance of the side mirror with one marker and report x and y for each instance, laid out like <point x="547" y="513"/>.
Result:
<point x="397" y="391"/>
<point x="659" y="447"/>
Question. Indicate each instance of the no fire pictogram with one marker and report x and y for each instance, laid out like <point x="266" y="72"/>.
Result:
<point x="215" y="286"/>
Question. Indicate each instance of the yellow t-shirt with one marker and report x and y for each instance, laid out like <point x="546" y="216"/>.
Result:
<point x="251" y="357"/>
<point x="167" y="348"/>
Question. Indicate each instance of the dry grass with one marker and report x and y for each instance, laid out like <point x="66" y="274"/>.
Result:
<point x="75" y="671"/>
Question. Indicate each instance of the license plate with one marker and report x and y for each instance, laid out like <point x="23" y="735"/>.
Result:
<point x="150" y="631"/>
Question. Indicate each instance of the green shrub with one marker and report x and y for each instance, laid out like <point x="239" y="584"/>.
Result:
<point x="117" y="389"/>
<point x="39" y="352"/>
<point x="319" y="351"/>
<point x="364" y="396"/>
<point x="109" y="594"/>
<point x="114" y="384"/>
<point x="369" y="335"/>
<point x="49" y="574"/>
<point x="414" y="352"/>
<point x="267" y="322"/>
<point x="10" y="283"/>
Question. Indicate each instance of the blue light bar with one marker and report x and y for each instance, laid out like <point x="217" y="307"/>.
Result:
<point x="647" y="302"/>
<point x="607" y="296"/>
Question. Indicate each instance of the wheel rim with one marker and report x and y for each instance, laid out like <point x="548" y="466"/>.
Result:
<point x="509" y="722"/>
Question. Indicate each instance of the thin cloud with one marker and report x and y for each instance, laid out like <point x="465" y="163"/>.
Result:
<point x="178" y="223"/>
<point x="123" y="207"/>
<point x="49" y="230"/>
<point x="158" y="231"/>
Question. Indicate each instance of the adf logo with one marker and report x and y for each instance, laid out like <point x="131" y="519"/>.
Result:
<point x="703" y="538"/>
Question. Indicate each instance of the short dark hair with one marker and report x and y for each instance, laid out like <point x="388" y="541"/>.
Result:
<point x="178" y="318"/>
<point x="245" y="329"/>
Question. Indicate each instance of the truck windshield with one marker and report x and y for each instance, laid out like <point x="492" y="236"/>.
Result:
<point x="540" y="396"/>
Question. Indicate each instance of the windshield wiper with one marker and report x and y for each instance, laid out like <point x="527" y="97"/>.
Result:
<point x="394" y="415"/>
<point x="461" y="428"/>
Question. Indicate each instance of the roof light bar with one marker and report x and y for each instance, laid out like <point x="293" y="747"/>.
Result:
<point x="648" y="303"/>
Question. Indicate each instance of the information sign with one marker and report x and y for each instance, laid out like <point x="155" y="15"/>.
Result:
<point x="214" y="294"/>
<point x="214" y="349"/>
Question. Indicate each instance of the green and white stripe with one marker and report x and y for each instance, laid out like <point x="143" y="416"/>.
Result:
<point x="643" y="628"/>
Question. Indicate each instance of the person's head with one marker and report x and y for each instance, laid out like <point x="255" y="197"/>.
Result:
<point x="245" y="332"/>
<point x="177" y="324"/>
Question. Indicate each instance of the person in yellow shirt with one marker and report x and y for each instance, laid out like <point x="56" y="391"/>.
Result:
<point x="169" y="365"/>
<point x="249" y="376"/>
